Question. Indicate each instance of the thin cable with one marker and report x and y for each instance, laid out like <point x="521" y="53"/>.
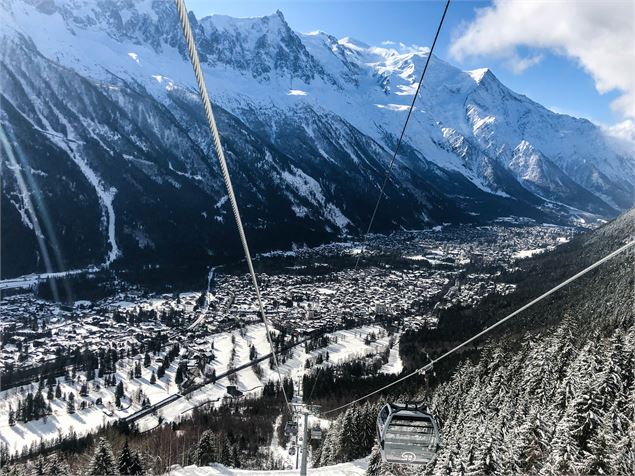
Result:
<point x="314" y="384"/>
<point x="403" y="131"/>
<point x="485" y="331"/>
<point x="198" y="72"/>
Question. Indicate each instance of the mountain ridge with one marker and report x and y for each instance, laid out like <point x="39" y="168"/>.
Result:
<point x="308" y="121"/>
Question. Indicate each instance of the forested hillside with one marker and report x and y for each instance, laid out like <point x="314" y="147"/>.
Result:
<point x="550" y="394"/>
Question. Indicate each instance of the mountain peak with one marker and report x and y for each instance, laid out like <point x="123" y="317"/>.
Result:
<point x="479" y="74"/>
<point x="353" y="44"/>
<point x="261" y="46"/>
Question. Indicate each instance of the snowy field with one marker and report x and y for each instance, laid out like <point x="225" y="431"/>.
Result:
<point x="353" y="468"/>
<point x="528" y="253"/>
<point x="350" y="345"/>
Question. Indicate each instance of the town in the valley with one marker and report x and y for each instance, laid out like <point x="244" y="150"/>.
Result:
<point x="152" y="358"/>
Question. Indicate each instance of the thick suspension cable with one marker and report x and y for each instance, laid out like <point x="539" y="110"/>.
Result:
<point x="401" y="136"/>
<point x="430" y="365"/>
<point x="198" y="72"/>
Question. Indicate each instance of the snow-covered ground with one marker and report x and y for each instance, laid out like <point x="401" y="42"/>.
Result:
<point x="528" y="253"/>
<point x="394" y="365"/>
<point x="350" y="344"/>
<point x="353" y="468"/>
<point x="30" y="280"/>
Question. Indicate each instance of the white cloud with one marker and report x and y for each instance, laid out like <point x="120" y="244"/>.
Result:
<point x="598" y="34"/>
<point x="519" y="64"/>
<point x="623" y="134"/>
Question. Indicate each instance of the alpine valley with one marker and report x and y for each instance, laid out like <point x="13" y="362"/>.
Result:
<point x="109" y="158"/>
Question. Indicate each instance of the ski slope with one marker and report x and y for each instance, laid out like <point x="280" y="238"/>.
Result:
<point x="350" y="345"/>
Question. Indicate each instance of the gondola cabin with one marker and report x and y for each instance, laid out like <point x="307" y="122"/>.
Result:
<point x="291" y="428"/>
<point x="408" y="433"/>
<point x="316" y="433"/>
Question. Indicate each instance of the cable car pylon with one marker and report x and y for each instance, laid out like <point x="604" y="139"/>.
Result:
<point x="304" y="410"/>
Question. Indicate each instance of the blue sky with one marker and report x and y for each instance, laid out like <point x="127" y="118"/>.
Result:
<point x="556" y="82"/>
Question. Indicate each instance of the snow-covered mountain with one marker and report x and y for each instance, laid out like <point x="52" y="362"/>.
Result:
<point x="111" y="156"/>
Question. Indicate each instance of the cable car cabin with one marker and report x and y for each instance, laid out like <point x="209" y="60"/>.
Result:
<point x="407" y="433"/>
<point x="316" y="433"/>
<point x="291" y="428"/>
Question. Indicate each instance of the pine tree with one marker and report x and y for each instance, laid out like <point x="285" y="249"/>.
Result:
<point x="178" y="377"/>
<point x="11" y="416"/>
<point x="129" y="461"/>
<point x="374" y="463"/>
<point x="39" y="467"/>
<point x="206" y="450"/>
<point x="585" y="419"/>
<point x="623" y="460"/>
<point x="119" y="389"/>
<point x="58" y="391"/>
<point x="347" y="440"/>
<point x="446" y="462"/>
<point x="225" y="453"/>
<point x="39" y="405"/>
<point x="137" y="467"/>
<point x="70" y="404"/>
<point x="235" y="457"/>
<point x="103" y="462"/>
<point x="565" y="453"/>
<point x="367" y="428"/>
<point x="28" y="407"/>
<point x="601" y="447"/>
<point x="532" y="445"/>
<point x="329" y="446"/>
<point x="19" y="415"/>
<point x="486" y="460"/>
<point x="153" y="378"/>
<point x="146" y="360"/>
<point x="55" y="466"/>
<point x="124" y="462"/>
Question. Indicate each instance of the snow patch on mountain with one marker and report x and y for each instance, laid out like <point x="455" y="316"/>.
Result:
<point x="106" y="197"/>
<point x="307" y="187"/>
<point x="478" y="74"/>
